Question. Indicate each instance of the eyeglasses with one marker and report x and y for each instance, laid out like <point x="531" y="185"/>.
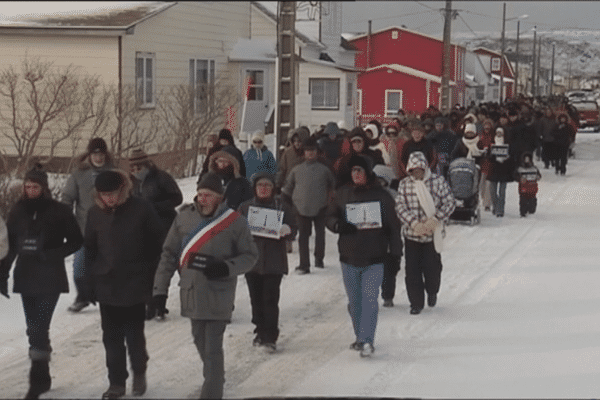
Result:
<point x="257" y="141"/>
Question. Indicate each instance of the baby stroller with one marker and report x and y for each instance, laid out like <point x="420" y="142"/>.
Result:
<point x="463" y="177"/>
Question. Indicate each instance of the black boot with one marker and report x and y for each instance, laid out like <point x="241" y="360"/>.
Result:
<point x="39" y="378"/>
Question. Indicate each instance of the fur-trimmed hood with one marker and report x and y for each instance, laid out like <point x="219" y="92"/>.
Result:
<point x="83" y="162"/>
<point x="123" y="196"/>
<point x="225" y="152"/>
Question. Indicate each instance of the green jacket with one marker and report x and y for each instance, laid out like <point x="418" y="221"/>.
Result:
<point x="201" y="298"/>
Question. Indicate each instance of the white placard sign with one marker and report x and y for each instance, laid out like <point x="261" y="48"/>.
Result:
<point x="364" y="215"/>
<point x="265" y="222"/>
<point x="499" y="150"/>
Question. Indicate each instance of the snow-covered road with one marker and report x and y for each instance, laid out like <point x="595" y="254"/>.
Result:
<point x="518" y="315"/>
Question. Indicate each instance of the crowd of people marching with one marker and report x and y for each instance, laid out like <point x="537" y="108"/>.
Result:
<point x="383" y="188"/>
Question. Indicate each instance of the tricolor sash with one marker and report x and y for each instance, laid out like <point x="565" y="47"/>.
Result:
<point x="203" y="233"/>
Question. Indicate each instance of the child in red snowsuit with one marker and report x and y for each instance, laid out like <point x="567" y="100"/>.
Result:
<point x="528" y="176"/>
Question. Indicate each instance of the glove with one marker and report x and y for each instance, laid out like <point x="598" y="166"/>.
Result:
<point x="346" y="228"/>
<point x="156" y="307"/>
<point x="285" y="230"/>
<point x="419" y="229"/>
<point x="4" y="288"/>
<point x="431" y="224"/>
<point x="216" y="269"/>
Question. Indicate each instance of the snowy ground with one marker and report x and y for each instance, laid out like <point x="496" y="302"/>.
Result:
<point x="518" y="316"/>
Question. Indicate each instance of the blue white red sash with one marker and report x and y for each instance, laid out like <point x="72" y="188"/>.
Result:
<point x="203" y="233"/>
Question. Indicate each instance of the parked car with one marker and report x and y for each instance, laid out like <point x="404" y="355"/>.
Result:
<point x="589" y="114"/>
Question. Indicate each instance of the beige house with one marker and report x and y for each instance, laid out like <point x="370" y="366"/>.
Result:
<point x="146" y="46"/>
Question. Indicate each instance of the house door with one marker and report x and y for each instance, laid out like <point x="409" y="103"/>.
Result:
<point x="256" y="78"/>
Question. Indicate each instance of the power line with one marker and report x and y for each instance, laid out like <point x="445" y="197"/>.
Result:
<point x="394" y="16"/>
<point x="425" y="5"/>
<point x="429" y="23"/>
<point x="467" y="25"/>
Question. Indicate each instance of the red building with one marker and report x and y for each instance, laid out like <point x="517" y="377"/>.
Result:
<point x="492" y="59"/>
<point x="403" y="69"/>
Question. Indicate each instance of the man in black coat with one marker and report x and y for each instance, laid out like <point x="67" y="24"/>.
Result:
<point x="123" y="238"/>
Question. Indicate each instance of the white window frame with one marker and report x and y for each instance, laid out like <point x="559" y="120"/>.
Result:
<point x="255" y="86"/>
<point x="349" y="93"/>
<point x="496" y="64"/>
<point x="196" y="86"/>
<point x="390" y="113"/>
<point x="142" y="81"/>
<point x="328" y="84"/>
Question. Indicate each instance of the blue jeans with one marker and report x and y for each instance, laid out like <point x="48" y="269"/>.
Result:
<point x="362" y="287"/>
<point x="498" y="196"/>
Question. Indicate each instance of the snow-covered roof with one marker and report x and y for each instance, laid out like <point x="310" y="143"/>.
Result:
<point x="505" y="79"/>
<point x="351" y="37"/>
<point x="79" y="15"/>
<point x="410" y="71"/>
<point x="262" y="50"/>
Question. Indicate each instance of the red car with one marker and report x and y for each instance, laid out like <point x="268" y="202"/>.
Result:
<point x="588" y="114"/>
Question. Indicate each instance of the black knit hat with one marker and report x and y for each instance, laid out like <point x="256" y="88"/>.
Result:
<point x="97" y="145"/>
<point x="109" y="181"/>
<point x="262" y="175"/>
<point x="364" y="162"/>
<point x="37" y="175"/>
<point x="210" y="181"/>
<point x="310" y="143"/>
<point x="226" y="134"/>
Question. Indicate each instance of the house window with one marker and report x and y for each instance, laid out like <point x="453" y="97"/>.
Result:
<point x="394" y="34"/>
<point x="495" y="93"/>
<point x="393" y="102"/>
<point x="145" y="65"/>
<point x="479" y="92"/>
<point x="255" y="82"/>
<point x="202" y="82"/>
<point x="359" y="101"/>
<point x="325" y="94"/>
<point x="349" y="93"/>
<point x="495" y="64"/>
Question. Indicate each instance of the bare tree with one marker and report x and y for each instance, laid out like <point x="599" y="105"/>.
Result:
<point x="44" y="102"/>
<point x="188" y="114"/>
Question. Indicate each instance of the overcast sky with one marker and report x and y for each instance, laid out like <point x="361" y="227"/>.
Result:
<point x="477" y="16"/>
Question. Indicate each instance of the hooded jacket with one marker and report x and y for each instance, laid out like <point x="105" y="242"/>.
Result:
<point x="259" y="160"/>
<point x="237" y="153"/>
<point x="55" y="227"/>
<point x="201" y="298"/>
<point x="366" y="246"/>
<point x="272" y="253"/>
<point x="237" y="187"/>
<point x="291" y="157"/>
<point x="408" y="207"/>
<point x="122" y="246"/>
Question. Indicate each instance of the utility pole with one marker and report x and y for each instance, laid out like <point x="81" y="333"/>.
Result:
<point x="502" y="55"/>
<point x="552" y="73"/>
<point x="517" y="62"/>
<point x="445" y="96"/>
<point x="539" y="66"/>
<point x="533" y="64"/>
<point x="286" y="73"/>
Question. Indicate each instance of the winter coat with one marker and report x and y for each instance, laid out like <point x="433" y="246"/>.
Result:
<point x="501" y="171"/>
<point x="309" y="185"/>
<point x="272" y="253"/>
<point x="121" y="250"/>
<point x="291" y="157"/>
<point x="160" y="189"/>
<point x="411" y="212"/>
<point x="461" y="150"/>
<point x="521" y="137"/>
<point x="331" y="148"/>
<point x="342" y="170"/>
<point x="528" y="188"/>
<point x="55" y="227"/>
<point x="259" y="160"/>
<point x="545" y="128"/>
<point x="562" y="135"/>
<point x="201" y="298"/>
<point x="79" y="187"/>
<point x="237" y="153"/>
<point x="237" y="187"/>
<point x="366" y="246"/>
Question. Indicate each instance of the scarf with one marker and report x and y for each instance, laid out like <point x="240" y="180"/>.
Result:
<point x="426" y="202"/>
<point x="471" y="144"/>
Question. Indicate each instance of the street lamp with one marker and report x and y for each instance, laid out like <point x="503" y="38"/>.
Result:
<point x="504" y="19"/>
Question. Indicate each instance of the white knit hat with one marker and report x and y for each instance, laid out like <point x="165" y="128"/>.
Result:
<point x="258" y="135"/>
<point x="373" y="129"/>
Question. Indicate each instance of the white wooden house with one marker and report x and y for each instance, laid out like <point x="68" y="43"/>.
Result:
<point x="149" y="45"/>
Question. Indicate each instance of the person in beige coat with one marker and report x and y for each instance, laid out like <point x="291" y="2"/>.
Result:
<point x="210" y="245"/>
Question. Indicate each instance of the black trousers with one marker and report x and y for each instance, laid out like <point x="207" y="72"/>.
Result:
<point x="423" y="271"/>
<point x="264" y="297"/>
<point x="38" y="315"/>
<point x="562" y="154"/>
<point x="120" y="326"/>
<point x="390" y="270"/>
<point x="304" y="231"/>
<point x="527" y="205"/>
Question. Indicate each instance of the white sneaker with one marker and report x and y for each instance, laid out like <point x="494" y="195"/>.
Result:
<point x="367" y="350"/>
